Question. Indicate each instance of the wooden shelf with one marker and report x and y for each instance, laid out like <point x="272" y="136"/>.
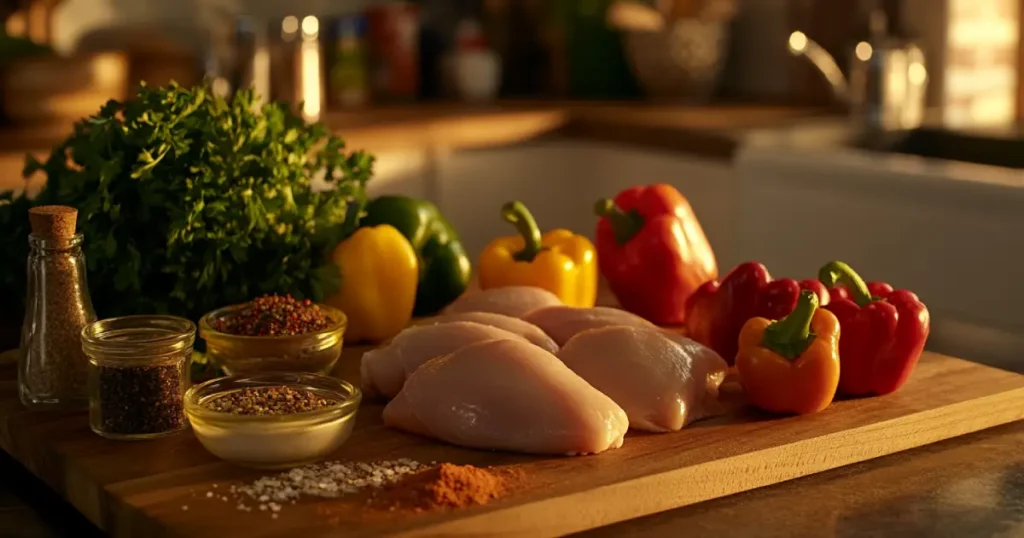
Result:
<point x="709" y="131"/>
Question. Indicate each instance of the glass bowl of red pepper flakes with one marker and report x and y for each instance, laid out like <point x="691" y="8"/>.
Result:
<point x="274" y="333"/>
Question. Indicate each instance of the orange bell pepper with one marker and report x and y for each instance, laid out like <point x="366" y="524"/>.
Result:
<point x="791" y="365"/>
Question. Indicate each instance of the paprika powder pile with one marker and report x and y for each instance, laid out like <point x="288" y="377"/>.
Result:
<point x="445" y="486"/>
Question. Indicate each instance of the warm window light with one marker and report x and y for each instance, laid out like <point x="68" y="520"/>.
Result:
<point x="863" y="51"/>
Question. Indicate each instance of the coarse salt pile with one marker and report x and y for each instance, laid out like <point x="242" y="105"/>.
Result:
<point x="329" y="479"/>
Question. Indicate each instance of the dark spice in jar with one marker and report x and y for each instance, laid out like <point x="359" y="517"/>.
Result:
<point x="275" y="315"/>
<point x="143" y="399"/>
<point x="282" y="400"/>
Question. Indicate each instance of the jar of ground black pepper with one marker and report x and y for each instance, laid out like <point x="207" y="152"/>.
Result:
<point x="52" y="369"/>
<point x="138" y="374"/>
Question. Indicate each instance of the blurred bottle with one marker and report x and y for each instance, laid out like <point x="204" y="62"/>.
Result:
<point x="393" y="32"/>
<point x="348" y="75"/>
<point x="597" y="63"/>
<point x="477" y="66"/>
<point x="295" y="64"/>
<point x="520" y="32"/>
<point x="438" y="19"/>
<point x="281" y="58"/>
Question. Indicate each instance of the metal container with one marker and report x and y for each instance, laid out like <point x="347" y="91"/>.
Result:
<point x="280" y="58"/>
<point x="393" y="40"/>
<point x="887" y="82"/>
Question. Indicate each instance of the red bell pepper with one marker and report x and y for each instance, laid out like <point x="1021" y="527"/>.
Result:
<point x="716" y="312"/>
<point x="883" y="331"/>
<point x="652" y="251"/>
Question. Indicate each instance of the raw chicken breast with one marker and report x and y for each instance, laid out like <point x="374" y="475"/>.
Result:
<point x="663" y="382"/>
<point x="384" y="370"/>
<point x="528" y="331"/>
<point x="563" y="322"/>
<point x="515" y="301"/>
<point x="507" y="395"/>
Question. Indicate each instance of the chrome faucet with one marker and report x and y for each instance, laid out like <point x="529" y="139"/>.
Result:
<point x="886" y="85"/>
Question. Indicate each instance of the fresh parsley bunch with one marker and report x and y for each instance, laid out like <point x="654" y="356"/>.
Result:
<point x="189" y="202"/>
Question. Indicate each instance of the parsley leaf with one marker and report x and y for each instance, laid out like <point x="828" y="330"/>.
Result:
<point x="189" y="201"/>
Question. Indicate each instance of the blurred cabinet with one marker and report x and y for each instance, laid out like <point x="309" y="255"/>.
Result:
<point x="932" y="227"/>
<point x="403" y="173"/>
<point x="560" y="181"/>
<point x="548" y="177"/>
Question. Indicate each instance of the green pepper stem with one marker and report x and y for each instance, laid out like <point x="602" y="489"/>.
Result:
<point x="837" y="272"/>
<point x="624" y="225"/>
<point x="791" y="335"/>
<point x="520" y="217"/>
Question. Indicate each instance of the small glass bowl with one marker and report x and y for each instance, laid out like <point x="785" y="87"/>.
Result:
<point x="273" y="441"/>
<point x="237" y="354"/>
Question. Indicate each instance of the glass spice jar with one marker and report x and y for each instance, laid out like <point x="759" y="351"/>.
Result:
<point x="52" y="368"/>
<point x="138" y="374"/>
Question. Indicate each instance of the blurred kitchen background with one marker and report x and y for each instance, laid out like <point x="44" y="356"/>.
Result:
<point x="883" y="133"/>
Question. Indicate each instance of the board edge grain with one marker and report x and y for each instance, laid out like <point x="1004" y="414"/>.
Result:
<point x="603" y="505"/>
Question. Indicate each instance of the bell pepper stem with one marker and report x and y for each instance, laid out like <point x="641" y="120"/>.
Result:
<point x="791" y="335"/>
<point x="624" y="225"/>
<point x="519" y="216"/>
<point x="836" y="272"/>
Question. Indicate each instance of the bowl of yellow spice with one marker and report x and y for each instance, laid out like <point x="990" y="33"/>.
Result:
<point x="272" y="420"/>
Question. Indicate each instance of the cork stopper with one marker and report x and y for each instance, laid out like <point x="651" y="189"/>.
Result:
<point x="53" y="221"/>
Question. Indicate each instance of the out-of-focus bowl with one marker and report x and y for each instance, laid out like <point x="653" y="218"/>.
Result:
<point x="315" y="352"/>
<point x="273" y="441"/>
<point x="682" y="61"/>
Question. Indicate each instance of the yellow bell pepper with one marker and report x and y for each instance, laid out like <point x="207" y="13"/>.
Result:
<point x="559" y="261"/>
<point x="379" y="272"/>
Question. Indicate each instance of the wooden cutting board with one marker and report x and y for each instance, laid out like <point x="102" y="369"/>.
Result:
<point x="158" y="488"/>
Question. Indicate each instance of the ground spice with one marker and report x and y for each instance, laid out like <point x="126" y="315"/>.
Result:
<point x="265" y="401"/>
<point x="325" y="480"/>
<point x="445" y="486"/>
<point x="53" y="369"/>
<point x="141" y="399"/>
<point x="275" y="315"/>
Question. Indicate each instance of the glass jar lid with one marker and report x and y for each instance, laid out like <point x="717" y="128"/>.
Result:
<point x="138" y="339"/>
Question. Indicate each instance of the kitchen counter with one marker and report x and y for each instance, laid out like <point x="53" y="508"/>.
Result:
<point x="963" y="487"/>
<point x="968" y="486"/>
<point x="972" y="486"/>
<point x="711" y="131"/>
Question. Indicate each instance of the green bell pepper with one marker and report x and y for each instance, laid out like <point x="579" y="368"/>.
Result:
<point x="445" y="269"/>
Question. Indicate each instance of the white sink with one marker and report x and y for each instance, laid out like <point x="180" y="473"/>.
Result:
<point x="953" y="232"/>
